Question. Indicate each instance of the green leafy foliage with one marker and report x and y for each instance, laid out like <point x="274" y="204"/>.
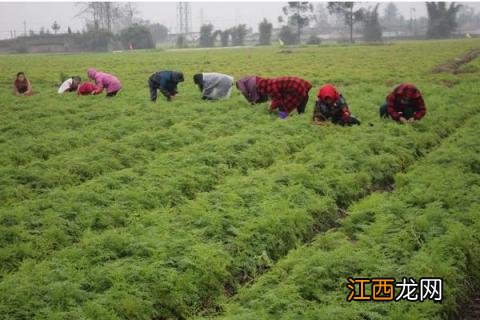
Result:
<point x="428" y="227"/>
<point x="124" y="209"/>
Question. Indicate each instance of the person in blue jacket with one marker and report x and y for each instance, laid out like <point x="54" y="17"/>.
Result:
<point x="166" y="82"/>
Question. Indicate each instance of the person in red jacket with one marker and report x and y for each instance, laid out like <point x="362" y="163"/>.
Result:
<point x="331" y="105"/>
<point x="87" y="88"/>
<point x="286" y="93"/>
<point x="404" y="104"/>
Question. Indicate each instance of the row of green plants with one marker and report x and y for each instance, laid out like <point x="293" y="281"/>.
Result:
<point x="131" y="210"/>
<point x="172" y="238"/>
<point x="35" y="165"/>
<point x="427" y="227"/>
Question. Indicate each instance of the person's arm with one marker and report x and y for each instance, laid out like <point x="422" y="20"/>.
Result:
<point x="391" y="107"/>
<point x="318" y="117"/>
<point x="15" y="90"/>
<point x="29" y="88"/>
<point x="345" y="110"/>
<point x="99" y="87"/>
<point x="208" y="88"/>
<point x="276" y="103"/>
<point x="172" y="88"/>
<point x="166" y="93"/>
<point x="421" y="110"/>
<point x="153" y="91"/>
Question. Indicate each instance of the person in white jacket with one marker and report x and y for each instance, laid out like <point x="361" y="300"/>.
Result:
<point x="214" y="85"/>
<point x="70" y="85"/>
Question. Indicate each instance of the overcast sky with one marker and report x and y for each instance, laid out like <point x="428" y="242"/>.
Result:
<point x="221" y="14"/>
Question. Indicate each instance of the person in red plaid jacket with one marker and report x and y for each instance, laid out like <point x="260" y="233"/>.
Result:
<point x="404" y="104"/>
<point x="331" y="105"/>
<point x="286" y="93"/>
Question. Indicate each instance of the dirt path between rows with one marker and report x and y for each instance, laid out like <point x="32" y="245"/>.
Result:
<point x="454" y="66"/>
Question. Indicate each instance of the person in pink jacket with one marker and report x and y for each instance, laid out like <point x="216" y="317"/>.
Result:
<point x="105" y="80"/>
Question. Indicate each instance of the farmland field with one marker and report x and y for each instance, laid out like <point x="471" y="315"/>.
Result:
<point x="125" y="209"/>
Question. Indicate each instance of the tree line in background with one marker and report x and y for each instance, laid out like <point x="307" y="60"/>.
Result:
<point x="110" y="24"/>
<point x="442" y="21"/>
<point x="107" y="25"/>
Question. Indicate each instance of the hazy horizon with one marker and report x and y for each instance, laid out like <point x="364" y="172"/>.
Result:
<point x="36" y="15"/>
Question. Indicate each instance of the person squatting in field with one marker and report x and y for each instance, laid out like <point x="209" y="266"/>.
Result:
<point x="22" y="86"/>
<point x="87" y="88"/>
<point x="404" y="104"/>
<point x="248" y="87"/>
<point x="70" y="85"/>
<point x="166" y="82"/>
<point x="286" y="93"/>
<point x="331" y="105"/>
<point x="105" y="81"/>
<point x="214" y="85"/>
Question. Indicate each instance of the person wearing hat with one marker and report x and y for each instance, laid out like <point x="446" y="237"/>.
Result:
<point x="331" y="105"/>
<point x="214" y="85"/>
<point x="286" y="93"/>
<point x="166" y="82"/>
<point x="70" y="85"/>
<point x="404" y="104"/>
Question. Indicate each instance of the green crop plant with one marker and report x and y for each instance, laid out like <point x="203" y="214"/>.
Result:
<point x="428" y="226"/>
<point x="125" y="209"/>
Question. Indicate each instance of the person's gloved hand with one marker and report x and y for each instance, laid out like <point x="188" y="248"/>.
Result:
<point x="282" y="114"/>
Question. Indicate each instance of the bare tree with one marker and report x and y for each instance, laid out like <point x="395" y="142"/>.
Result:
<point x="102" y="15"/>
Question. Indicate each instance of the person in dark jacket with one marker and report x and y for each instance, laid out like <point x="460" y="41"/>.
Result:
<point x="331" y="105"/>
<point x="404" y="104"/>
<point x="166" y="82"/>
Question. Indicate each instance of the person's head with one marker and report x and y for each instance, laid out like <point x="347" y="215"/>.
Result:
<point x="21" y="76"/>
<point x="328" y="100"/>
<point x="76" y="80"/>
<point x="86" y="88"/>
<point x="409" y="93"/>
<point x="198" y="80"/>
<point x="91" y="73"/>
<point x="180" y="77"/>
<point x="328" y="94"/>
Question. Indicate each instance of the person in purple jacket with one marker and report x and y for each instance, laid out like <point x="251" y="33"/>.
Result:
<point x="105" y="81"/>
<point x="248" y="87"/>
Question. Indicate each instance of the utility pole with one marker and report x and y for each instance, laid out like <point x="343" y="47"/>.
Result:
<point x="184" y="19"/>
<point x="24" y="28"/>
<point x="413" y="21"/>
<point x="180" y="18"/>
